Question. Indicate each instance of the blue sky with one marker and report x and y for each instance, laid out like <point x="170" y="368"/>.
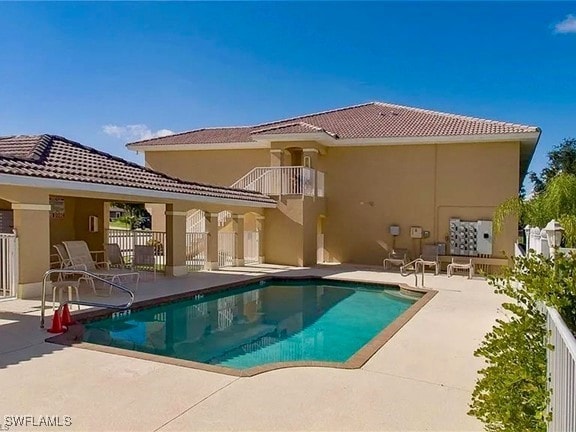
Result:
<point x="107" y="73"/>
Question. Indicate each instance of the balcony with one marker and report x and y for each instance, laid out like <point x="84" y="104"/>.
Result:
<point x="283" y="180"/>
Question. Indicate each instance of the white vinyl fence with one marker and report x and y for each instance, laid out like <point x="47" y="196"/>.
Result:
<point x="126" y="239"/>
<point x="251" y="240"/>
<point x="196" y="244"/>
<point x="8" y="265"/>
<point x="226" y="249"/>
<point x="561" y="365"/>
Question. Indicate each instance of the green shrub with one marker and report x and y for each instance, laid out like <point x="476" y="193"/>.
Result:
<point x="511" y="394"/>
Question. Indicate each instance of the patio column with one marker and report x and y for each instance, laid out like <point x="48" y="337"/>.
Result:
<point x="238" y="221"/>
<point x="32" y="225"/>
<point x="175" y="240"/>
<point x="260" y="230"/>
<point x="211" y="241"/>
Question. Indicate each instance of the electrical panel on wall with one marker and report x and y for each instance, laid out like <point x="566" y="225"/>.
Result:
<point x="484" y="237"/>
<point x="470" y="238"/>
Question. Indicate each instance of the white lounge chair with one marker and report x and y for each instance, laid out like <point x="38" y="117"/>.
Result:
<point x="429" y="257"/>
<point x="80" y="255"/>
<point x="396" y="257"/>
<point x="460" y="263"/>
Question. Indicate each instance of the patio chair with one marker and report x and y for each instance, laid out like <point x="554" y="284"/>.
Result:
<point x="145" y="258"/>
<point x="396" y="257"/>
<point x="460" y="263"/>
<point x="114" y="256"/>
<point x="63" y="258"/>
<point x="79" y="255"/>
<point x="429" y="257"/>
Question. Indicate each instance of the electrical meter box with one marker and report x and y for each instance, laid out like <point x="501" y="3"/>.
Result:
<point x="471" y="238"/>
<point x="484" y="237"/>
<point x="394" y="230"/>
<point x="416" y="232"/>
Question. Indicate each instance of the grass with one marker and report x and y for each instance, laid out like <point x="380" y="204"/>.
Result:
<point x="119" y="224"/>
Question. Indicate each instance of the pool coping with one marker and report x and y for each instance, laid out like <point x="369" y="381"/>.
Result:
<point x="73" y="337"/>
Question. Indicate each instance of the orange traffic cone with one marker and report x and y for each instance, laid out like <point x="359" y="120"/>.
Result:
<point x="56" y="323"/>
<point x="66" y="317"/>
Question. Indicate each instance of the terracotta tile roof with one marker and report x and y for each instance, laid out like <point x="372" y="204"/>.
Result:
<point x="371" y="120"/>
<point x="54" y="157"/>
<point x="290" y="128"/>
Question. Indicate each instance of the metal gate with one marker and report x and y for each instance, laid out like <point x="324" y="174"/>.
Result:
<point x="8" y="265"/>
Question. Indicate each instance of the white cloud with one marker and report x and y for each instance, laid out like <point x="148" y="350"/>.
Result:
<point x="135" y="132"/>
<point x="566" y="26"/>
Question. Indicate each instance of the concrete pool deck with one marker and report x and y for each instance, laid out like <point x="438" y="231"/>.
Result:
<point x="421" y="379"/>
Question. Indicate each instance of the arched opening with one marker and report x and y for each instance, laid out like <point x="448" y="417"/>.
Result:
<point x="295" y="156"/>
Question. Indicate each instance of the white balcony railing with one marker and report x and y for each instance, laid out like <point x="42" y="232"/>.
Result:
<point x="283" y="180"/>
<point x="561" y="364"/>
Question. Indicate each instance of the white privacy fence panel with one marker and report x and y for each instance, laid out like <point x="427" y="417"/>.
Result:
<point x="251" y="240"/>
<point x="561" y="365"/>
<point x="8" y="265"/>
<point x="196" y="222"/>
<point x="196" y="244"/>
<point x="283" y="180"/>
<point x="126" y="239"/>
<point x="537" y="241"/>
<point x="226" y="248"/>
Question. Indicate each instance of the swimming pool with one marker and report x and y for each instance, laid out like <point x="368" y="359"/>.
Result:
<point x="281" y="322"/>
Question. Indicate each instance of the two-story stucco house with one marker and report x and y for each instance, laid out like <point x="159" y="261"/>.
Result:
<point x="351" y="179"/>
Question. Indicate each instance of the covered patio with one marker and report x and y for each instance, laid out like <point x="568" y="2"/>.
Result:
<point x="53" y="190"/>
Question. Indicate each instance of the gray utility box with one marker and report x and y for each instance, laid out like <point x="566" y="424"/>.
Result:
<point x="470" y="238"/>
<point x="484" y="237"/>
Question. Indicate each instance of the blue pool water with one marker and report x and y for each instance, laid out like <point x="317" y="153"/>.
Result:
<point x="269" y="322"/>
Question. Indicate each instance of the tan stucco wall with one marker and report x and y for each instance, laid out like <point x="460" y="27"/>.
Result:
<point x="367" y="190"/>
<point x="371" y="188"/>
<point x="74" y="224"/>
<point x="219" y="167"/>
<point x="63" y="229"/>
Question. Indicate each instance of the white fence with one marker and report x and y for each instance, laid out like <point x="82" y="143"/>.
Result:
<point x="126" y="239"/>
<point x="8" y="265"/>
<point x="226" y="248"/>
<point x="196" y="244"/>
<point x="251" y="240"/>
<point x="561" y="365"/>
<point x="282" y="180"/>
<point x="537" y="240"/>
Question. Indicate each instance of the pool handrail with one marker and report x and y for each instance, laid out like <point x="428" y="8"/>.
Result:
<point x="84" y="273"/>
<point x="412" y="266"/>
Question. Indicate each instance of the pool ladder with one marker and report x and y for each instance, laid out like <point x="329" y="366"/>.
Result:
<point x="412" y="268"/>
<point x="86" y="275"/>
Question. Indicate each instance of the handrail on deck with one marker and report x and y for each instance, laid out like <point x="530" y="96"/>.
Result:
<point x="84" y="303"/>
<point x="414" y="270"/>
